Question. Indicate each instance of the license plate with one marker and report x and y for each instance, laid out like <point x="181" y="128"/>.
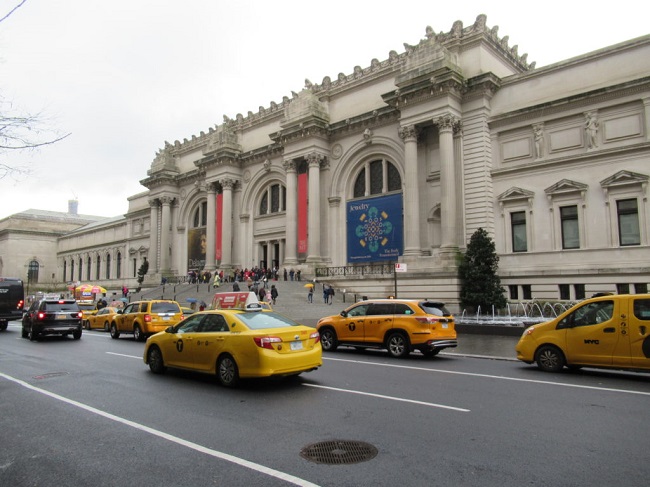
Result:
<point x="165" y="318"/>
<point x="445" y="325"/>
<point x="61" y="317"/>
<point x="296" y="345"/>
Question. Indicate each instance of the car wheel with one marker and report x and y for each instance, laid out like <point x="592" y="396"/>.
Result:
<point x="114" y="333"/>
<point x="33" y="335"/>
<point x="138" y="336"/>
<point x="550" y="358"/>
<point x="107" y="326"/>
<point x="76" y="334"/>
<point x="155" y="360"/>
<point x="328" y="340"/>
<point x="86" y="324"/>
<point x="3" y="325"/>
<point x="227" y="371"/>
<point x="24" y="332"/>
<point x="398" y="345"/>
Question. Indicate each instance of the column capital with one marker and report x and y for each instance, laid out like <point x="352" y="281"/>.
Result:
<point x="446" y="122"/>
<point x="154" y="202"/>
<point x="167" y="200"/>
<point x="289" y="165"/>
<point x="314" y="159"/>
<point x="228" y="183"/>
<point x="408" y="133"/>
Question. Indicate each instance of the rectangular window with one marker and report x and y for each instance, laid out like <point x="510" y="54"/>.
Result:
<point x="622" y="289"/>
<point x="641" y="288"/>
<point x="579" y="290"/>
<point x="565" y="292"/>
<point x="570" y="232"/>
<point x="514" y="292"/>
<point x="518" y="224"/>
<point x="628" y="222"/>
<point x="527" y="291"/>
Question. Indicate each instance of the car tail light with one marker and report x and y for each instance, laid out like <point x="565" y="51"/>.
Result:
<point x="41" y="315"/>
<point x="147" y="318"/>
<point x="427" y="320"/>
<point x="315" y="336"/>
<point x="267" y="342"/>
<point x="80" y="314"/>
<point x="21" y="304"/>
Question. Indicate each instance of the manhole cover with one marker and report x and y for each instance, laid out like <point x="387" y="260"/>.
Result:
<point x="50" y="374"/>
<point x="339" y="452"/>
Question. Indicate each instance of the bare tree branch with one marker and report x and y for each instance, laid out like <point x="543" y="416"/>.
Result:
<point x="13" y="10"/>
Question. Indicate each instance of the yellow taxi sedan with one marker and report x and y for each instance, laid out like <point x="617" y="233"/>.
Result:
<point x="236" y="344"/>
<point x="102" y="319"/>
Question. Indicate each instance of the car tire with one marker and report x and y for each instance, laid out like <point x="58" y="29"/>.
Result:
<point x="398" y="345"/>
<point x="328" y="340"/>
<point x="115" y="334"/>
<point x="107" y="326"/>
<point x="227" y="371"/>
<point x="76" y="334"/>
<point x="86" y="325"/>
<point x="3" y="325"/>
<point x="550" y="358"/>
<point x="138" y="336"/>
<point x="155" y="360"/>
<point x="33" y="335"/>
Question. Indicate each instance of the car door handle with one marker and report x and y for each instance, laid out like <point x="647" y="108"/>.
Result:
<point x="609" y="330"/>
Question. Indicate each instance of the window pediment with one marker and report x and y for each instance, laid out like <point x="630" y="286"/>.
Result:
<point x="624" y="178"/>
<point x="565" y="186"/>
<point x="516" y="194"/>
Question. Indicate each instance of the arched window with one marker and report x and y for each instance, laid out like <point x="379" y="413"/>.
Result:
<point x="81" y="266"/>
<point x="32" y="272"/>
<point x="274" y="200"/>
<point x="200" y="216"/>
<point x="88" y="268"/>
<point x="119" y="265"/>
<point x="65" y="270"/>
<point x="71" y="269"/>
<point x="99" y="265"/>
<point x="377" y="177"/>
<point x="108" y="266"/>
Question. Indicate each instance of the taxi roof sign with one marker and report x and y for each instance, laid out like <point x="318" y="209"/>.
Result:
<point x="245" y="301"/>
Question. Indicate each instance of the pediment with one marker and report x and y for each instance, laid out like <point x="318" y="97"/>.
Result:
<point x="624" y="178"/>
<point x="565" y="186"/>
<point x="515" y="193"/>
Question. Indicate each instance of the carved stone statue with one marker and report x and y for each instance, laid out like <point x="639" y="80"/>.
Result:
<point x="591" y="130"/>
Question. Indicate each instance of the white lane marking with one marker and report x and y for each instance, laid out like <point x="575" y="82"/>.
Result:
<point x="487" y="376"/>
<point x="174" y="439"/>
<point x="381" y="396"/>
<point x="124" y="355"/>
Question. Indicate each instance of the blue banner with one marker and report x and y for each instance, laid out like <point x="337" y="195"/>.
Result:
<point x="375" y="229"/>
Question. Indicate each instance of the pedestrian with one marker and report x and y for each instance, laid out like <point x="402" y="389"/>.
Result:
<point x="274" y="293"/>
<point x="235" y="286"/>
<point x="285" y="274"/>
<point x="330" y="291"/>
<point x="269" y="296"/>
<point x="310" y="295"/>
<point x="262" y="294"/>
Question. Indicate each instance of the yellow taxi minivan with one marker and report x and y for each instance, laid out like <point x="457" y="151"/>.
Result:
<point x="611" y="331"/>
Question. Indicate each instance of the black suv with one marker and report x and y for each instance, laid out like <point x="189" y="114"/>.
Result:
<point x="52" y="317"/>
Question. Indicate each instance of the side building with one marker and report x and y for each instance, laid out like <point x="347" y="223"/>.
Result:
<point x="402" y="161"/>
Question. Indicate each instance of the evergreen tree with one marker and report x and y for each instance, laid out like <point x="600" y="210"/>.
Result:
<point x="142" y="271"/>
<point x="480" y="283"/>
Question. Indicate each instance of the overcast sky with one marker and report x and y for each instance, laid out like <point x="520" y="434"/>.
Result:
<point x="124" y="76"/>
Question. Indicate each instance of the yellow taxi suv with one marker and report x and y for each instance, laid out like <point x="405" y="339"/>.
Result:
<point x="236" y="343"/>
<point x="144" y="318"/>
<point x="397" y="325"/>
<point x="611" y="331"/>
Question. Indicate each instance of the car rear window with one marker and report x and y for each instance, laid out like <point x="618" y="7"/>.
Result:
<point x="60" y="307"/>
<point x="165" y="308"/>
<point x="261" y="320"/>
<point x="642" y="309"/>
<point x="433" y="308"/>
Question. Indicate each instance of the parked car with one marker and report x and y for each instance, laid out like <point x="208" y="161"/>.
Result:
<point x="234" y="343"/>
<point x="607" y="331"/>
<point x="144" y="318"/>
<point x="102" y="319"/>
<point x="52" y="317"/>
<point x="397" y="325"/>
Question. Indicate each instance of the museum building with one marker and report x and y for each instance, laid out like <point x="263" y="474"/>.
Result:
<point x="401" y="161"/>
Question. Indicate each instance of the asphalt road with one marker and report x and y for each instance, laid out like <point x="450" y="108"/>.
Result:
<point x="89" y="412"/>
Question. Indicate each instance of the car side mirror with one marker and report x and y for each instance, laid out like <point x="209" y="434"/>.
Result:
<point x="169" y="329"/>
<point x="344" y="314"/>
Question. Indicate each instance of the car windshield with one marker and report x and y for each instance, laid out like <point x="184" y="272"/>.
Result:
<point x="60" y="307"/>
<point x="165" y="308"/>
<point x="261" y="320"/>
<point x="437" y="309"/>
<point x="86" y="306"/>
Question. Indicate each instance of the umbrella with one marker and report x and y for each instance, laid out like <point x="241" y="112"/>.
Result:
<point x="89" y="288"/>
<point x="309" y="284"/>
<point x="124" y="300"/>
<point x="191" y="300"/>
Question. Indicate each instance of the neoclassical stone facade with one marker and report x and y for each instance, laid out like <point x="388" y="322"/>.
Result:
<point x="552" y="162"/>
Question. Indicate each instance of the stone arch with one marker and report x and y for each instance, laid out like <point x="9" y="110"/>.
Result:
<point x="252" y="192"/>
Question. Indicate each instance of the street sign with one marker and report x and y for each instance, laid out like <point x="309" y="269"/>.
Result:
<point x="400" y="267"/>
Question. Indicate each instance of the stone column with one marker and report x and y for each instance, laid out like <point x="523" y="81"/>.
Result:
<point x="153" y="236"/>
<point x="165" y="233"/>
<point x="291" y="249"/>
<point x="226" y="221"/>
<point x="313" y="225"/>
<point x="447" y="181"/>
<point x="211" y="233"/>
<point x="646" y="106"/>
<point x="412" y="177"/>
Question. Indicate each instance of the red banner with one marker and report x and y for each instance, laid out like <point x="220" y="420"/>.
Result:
<point x="303" y="191"/>
<point x="219" y="224"/>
